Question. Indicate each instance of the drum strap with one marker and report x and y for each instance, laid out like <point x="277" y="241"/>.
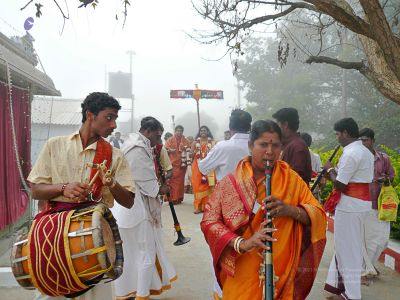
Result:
<point x="103" y="152"/>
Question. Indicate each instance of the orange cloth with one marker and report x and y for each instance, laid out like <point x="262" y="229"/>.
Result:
<point x="296" y="254"/>
<point x="202" y="185"/>
<point x="177" y="180"/>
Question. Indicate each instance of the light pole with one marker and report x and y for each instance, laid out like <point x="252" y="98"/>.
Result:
<point x="173" y="123"/>
<point x="131" y="54"/>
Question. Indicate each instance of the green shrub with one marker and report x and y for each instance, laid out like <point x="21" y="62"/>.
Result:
<point x="395" y="159"/>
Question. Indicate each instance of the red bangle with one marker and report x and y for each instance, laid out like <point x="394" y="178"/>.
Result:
<point x="63" y="188"/>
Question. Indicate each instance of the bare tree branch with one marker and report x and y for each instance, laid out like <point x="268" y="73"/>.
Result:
<point x="359" y="66"/>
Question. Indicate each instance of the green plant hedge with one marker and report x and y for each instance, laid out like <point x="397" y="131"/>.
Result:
<point x="395" y="159"/>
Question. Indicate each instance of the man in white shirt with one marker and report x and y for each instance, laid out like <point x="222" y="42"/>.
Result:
<point x="316" y="164"/>
<point x="225" y="155"/>
<point x="351" y="180"/>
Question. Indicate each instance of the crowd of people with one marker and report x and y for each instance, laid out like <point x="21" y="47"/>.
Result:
<point x="230" y="188"/>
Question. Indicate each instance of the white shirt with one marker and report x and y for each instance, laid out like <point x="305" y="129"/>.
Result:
<point x="138" y="152"/>
<point x="225" y="155"/>
<point x="316" y="164"/>
<point x="355" y="165"/>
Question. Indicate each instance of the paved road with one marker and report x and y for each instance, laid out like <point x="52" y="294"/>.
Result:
<point x="193" y="264"/>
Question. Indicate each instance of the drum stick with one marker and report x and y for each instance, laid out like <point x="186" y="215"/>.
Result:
<point x="94" y="178"/>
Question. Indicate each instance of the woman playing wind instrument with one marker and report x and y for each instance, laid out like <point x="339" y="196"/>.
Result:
<point x="235" y="231"/>
<point x="203" y="184"/>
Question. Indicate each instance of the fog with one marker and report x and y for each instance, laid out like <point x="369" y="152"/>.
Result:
<point x="93" y="42"/>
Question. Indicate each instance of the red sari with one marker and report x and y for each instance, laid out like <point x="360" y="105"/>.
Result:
<point x="298" y="250"/>
<point x="177" y="180"/>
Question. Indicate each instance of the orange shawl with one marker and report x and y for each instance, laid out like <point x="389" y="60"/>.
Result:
<point x="296" y="254"/>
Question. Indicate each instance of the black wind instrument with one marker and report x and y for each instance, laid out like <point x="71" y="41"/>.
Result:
<point x="316" y="182"/>
<point x="181" y="238"/>
<point x="268" y="264"/>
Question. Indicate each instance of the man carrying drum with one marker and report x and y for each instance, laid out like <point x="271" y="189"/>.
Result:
<point x="83" y="168"/>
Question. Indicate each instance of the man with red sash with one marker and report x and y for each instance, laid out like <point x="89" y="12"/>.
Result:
<point x="61" y="174"/>
<point x="234" y="227"/>
<point x="351" y="182"/>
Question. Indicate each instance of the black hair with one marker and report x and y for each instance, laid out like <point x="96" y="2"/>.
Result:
<point x="368" y="132"/>
<point x="306" y="138"/>
<point x="151" y="124"/>
<point x="167" y="135"/>
<point x="289" y="115"/>
<point x="179" y="127"/>
<point x="209" y="132"/>
<point x="349" y="125"/>
<point x="261" y="126"/>
<point x="96" y="102"/>
<point x="240" y="121"/>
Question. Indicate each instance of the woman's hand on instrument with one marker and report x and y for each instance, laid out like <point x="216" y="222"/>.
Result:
<point x="257" y="240"/>
<point x="76" y="191"/>
<point x="276" y="207"/>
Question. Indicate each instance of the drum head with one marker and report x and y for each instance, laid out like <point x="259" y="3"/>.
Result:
<point x="20" y="268"/>
<point x="103" y="236"/>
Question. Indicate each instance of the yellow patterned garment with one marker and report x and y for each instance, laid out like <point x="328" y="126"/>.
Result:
<point x="164" y="160"/>
<point x="63" y="160"/>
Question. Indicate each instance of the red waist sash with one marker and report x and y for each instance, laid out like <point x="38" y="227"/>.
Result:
<point x="353" y="189"/>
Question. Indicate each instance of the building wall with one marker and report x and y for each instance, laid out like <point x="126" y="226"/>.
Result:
<point x="42" y="132"/>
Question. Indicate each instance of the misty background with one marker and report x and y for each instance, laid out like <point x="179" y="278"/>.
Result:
<point x="94" y="43"/>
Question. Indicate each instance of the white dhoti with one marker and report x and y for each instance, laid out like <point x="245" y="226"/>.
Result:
<point x="344" y="275"/>
<point x="102" y="291"/>
<point x="147" y="270"/>
<point x="376" y="240"/>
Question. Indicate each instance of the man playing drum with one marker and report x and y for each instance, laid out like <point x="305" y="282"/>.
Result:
<point x="62" y="174"/>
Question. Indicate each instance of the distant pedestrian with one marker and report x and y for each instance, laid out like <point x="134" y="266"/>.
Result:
<point x="116" y="140"/>
<point x="316" y="164"/>
<point x="376" y="232"/>
<point x="203" y="184"/>
<point x="227" y="135"/>
<point x="294" y="150"/>
<point x="177" y="147"/>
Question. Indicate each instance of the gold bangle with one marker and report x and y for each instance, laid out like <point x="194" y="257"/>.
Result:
<point x="236" y="244"/>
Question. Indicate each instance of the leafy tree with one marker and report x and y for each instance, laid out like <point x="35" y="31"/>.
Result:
<point x="316" y="92"/>
<point x="375" y="24"/>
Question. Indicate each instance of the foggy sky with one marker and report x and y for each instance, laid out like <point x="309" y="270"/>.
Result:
<point x="93" y="42"/>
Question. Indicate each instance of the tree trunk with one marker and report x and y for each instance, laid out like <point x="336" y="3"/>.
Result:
<point x="378" y="72"/>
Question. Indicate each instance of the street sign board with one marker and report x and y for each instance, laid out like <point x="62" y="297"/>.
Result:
<point x="181" y="94"/>
<point x="208" y="94"/>
<point x="196" y="94"/>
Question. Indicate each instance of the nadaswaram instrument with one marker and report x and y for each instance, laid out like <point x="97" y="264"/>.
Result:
<point x="316" y="182"/>
<point x="67" y="252"/>
<point x="161" y="177"/>
<point x="268" y="270"/>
